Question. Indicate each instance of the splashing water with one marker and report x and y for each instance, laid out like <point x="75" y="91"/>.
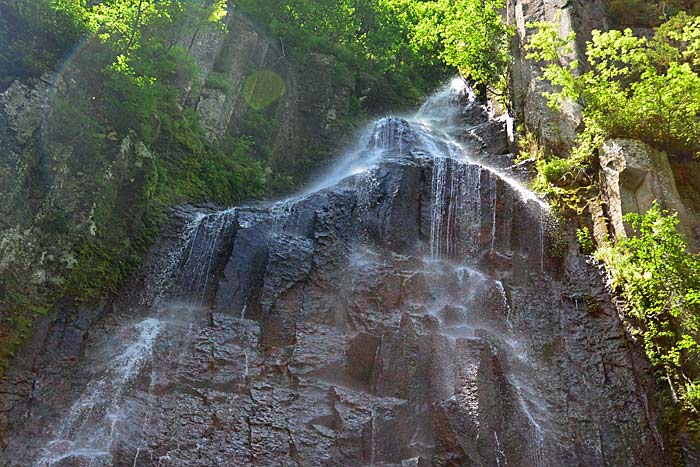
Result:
<point x="90" y="427"/>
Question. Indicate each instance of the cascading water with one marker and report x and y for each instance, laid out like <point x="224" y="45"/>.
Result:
<point x="396" y="313"/>
<point x="91" y="426"/>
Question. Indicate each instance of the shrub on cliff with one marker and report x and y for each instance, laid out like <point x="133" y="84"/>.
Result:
<point x="633" y="87"/>
<point x="470" y="36"/>
<point x="660" y="282"/>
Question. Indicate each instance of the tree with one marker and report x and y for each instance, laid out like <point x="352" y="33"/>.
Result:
<point x="470" y="35"/>
<point x="635" y="87"/>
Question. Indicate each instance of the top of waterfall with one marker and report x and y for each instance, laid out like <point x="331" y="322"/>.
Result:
<point x="444" y="107"/>
<point x="434" y="130"/>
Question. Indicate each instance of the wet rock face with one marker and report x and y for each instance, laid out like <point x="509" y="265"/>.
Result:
<point x="416" y="313"/>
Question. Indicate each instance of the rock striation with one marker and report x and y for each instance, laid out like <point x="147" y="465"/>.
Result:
<point x="419" y="309"/>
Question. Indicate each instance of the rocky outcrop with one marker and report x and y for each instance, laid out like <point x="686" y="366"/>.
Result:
<point x="633" y="176"/>
<point x="686" y="173"/>
<point x="556" y="130"/>
<point x="419" y="312"/>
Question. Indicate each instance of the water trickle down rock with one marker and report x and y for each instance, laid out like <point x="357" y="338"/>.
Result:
<point x="401" y="316"/>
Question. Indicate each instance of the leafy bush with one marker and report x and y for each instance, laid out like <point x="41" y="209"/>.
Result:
<point x="635" y="87"/>
<point x="647" y="89"/>
<point x="469" y="35"/>
<point x="660" y="282"/>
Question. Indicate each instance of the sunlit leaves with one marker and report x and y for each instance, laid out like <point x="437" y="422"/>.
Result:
<point x="635" y="87"/>
<point x="471" y="34"/>
<point x="660" y="282"/>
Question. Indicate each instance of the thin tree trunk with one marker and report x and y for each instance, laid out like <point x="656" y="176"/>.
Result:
<point x="134" y="28"/>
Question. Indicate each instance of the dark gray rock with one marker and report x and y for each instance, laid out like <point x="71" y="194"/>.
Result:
<point x="419" y="312"/>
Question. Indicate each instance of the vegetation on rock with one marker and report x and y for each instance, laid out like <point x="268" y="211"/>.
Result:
<point x="647" y="89"/>
<point x="659" y="280"/>
<point x="134" y="70"/>
<point x="470" y="36"/>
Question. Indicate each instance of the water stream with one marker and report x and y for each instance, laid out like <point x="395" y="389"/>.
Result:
<point x="373" y="319"/>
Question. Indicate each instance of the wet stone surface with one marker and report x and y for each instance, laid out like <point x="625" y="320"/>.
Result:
<point x="415" y="313"/>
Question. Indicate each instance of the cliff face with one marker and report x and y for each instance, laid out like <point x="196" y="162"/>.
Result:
<point x="50" y="189"/>
<point x="418" y="309"/>
<point x="65" y="180"/>
<point x="556" y="130"/>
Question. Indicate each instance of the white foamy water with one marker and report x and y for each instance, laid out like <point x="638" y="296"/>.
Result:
<point x="86" y="433"/>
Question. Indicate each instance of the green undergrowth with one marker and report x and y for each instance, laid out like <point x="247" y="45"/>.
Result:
<point x="135" y="147"/>
<point x="644" y="87"/>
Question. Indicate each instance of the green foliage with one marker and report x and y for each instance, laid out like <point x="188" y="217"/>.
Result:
<point x="660" y="282"/>
<point x="635" y="87"/>
<point x="128" y="25"/>
<point x="567" y="182"/>
<point x="585" y="240"/>
<point x="528" y="147"/>
<point x="216" y="80"/>
<point x="647" y="89"/>
<point x="469" y="35"/>
<point x="194" y="169"/>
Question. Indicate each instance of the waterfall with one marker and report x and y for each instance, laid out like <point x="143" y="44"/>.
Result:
<point x="206" y="235"/>
<point x="395" y="312"/>
<point x="91" y="425"/>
